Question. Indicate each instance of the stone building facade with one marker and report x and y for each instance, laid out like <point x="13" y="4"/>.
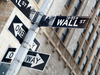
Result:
<point x="72" y="51"/>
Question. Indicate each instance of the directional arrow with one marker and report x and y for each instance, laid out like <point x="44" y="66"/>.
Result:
<point x="17" y="26"/>
<point x="38" y="61"/>
<point x="18" y="29"/>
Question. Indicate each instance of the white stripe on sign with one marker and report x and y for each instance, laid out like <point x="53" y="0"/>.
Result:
<point x="10" y="55"/>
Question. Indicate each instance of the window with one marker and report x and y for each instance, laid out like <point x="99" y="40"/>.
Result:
<point x="95" y="36"/>
<point x="74" y="12"/>
<point x="37" y="1"/>
<point x="91" y="44"/>
<point x="97" y="52"/>
<point x="90" y="31"/>
<point x="84" y="63"/>
<point x="92" y="10"/>
<point x="99" y="45"/>
<point x="3" y="68"/>
<point x="96" y="70"/>
<point x="95" y="73"/>
<point x="62" y="38"/>
<point x="76" y="8"/>
<point x="68" y="3"/>
<point x="90" y="68"/>
<point x="95" y="5"/>
<point x="88" y="36"/>
<point x="78" y="4"/>
<point x="97" y="67"/>
<point x="98" y="12"/>
<point x="79" y="56"/>
<point x="84" y="30"/>
<point x="93" y="60"/>
<point x="94" y="39"/>
<point x="64" y="34"/>
<point x="75" y="50"/>
<point x="91" y="28"/>
<point x="56" y="29"/>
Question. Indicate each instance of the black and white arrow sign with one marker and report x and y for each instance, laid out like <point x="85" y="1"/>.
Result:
<point x="8" y="57"/>
<point x="66" y="21"/>
<point x="18" y="29"/>
<point x="25" y="7"/>
<point x="35" y="60"/>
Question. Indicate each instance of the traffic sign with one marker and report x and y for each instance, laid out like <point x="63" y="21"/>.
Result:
<point x="8" y="57"/>
<point x="35" y="45"/>
<point x="36" y="60"/>
<point x="25" y="7"/>
<point x="18" y="29"/>
<point x="66" y="21"/>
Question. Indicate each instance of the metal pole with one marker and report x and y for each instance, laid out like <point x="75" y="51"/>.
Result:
<point x="24" y="48"/>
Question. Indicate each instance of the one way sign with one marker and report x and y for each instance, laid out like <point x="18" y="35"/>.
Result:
<point x="8" y="57"/>
<point x="36" y="60"/>
<point x="18" y="29"/>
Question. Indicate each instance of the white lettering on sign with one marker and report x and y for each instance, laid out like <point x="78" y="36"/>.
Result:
<point x="60" y="22"/>
<point x="33" y="46"/>
<point x="21" y="3"/>
<point x="34" y="60"/>
<point x="82" y="21"/>
<point x="67" y="22"/>
<point x="18" y="2"/>
<point x="18" y="29"/>
<point x="10" y="55"/>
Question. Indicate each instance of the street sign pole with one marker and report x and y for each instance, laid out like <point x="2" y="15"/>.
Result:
<point x="23" y="50"/>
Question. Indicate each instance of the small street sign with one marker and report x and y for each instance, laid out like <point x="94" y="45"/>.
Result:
<point x="35" y="45"/>
<point x="25" y="7"/>
<point x="36" y="60"/>
<point x="8" y="57"/>
<point x="66" y="21"/>
<point x="18" y="29"/>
